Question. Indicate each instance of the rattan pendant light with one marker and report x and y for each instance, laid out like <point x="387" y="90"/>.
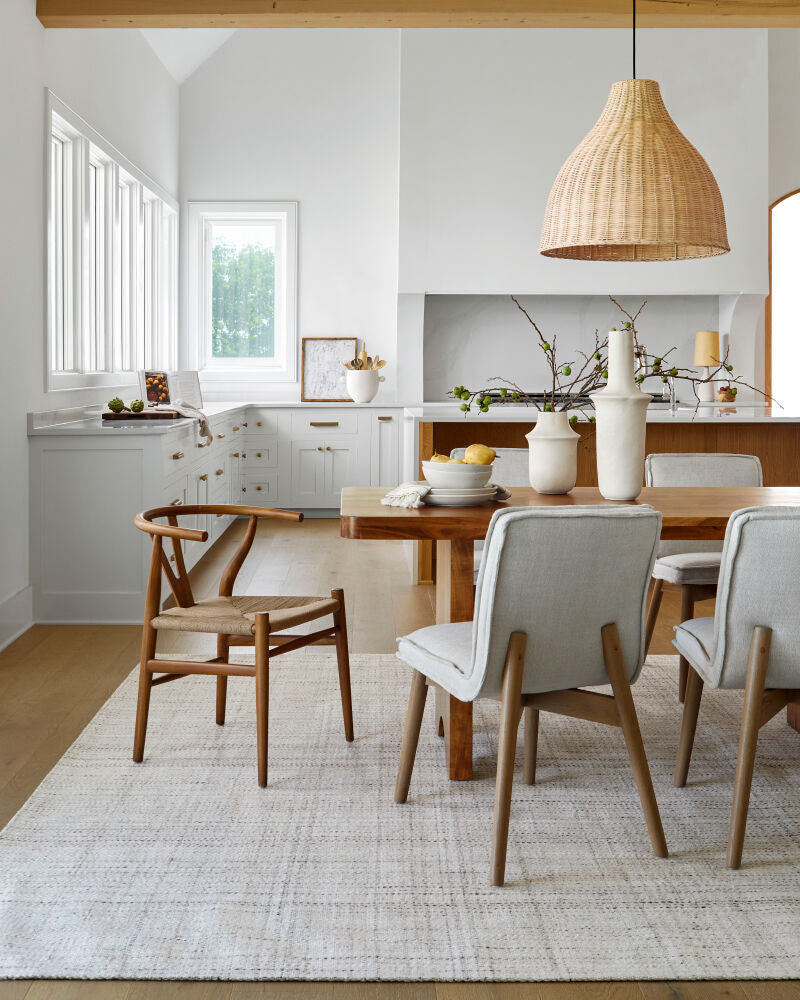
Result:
<point x="635" y="188"/>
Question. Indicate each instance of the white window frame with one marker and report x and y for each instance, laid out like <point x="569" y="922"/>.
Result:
<point x="111" y="355"/>
<point x="201" y="215"/>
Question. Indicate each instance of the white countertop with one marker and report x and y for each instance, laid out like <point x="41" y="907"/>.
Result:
<point x="518" y="413"/>
<point x="78" y="423"/>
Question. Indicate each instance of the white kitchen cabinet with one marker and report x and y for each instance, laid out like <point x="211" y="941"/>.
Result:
<point x="88" y="561"/>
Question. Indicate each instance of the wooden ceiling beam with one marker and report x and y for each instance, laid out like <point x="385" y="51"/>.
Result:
<point x="417" y="13"/>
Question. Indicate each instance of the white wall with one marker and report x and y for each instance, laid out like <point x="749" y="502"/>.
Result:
<point x="488" y="118"/>
<point x="114" y="80"/>
<point x="784" y="112"/>
<point x="470" y="338"/>
<point x="309" y="116"/>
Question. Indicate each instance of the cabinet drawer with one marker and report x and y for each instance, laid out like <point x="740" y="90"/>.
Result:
<point x="262" y="489"/>
<point x="177" y="452"/>
<point x="260" y="420"/>
<point x="262" y="453"/>
<point x="323" y="423"/>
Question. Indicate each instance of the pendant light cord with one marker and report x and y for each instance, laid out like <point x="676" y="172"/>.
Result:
<point x="634" y="39"/>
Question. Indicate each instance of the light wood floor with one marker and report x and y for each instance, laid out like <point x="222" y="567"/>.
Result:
<point x="55" y="678"/>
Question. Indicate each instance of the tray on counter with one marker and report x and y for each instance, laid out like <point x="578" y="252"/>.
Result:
<point x="153" y="414"/>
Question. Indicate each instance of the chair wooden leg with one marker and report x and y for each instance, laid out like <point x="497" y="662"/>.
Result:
<point x="618" y="675"/>
<point x="343" y="660"/>
<point x="408" y="750"/>
<point x="691" y="709"/>
<point x="222" y="682"/>
<point x="262" y="693"/>
<point x="531" y="745"/>
<point x="748" y="740"/>
<point x="652" y="613"/>
<point x="506" y="750"/>
<point x="687" y="612"/>
<point x="148" y="651"/>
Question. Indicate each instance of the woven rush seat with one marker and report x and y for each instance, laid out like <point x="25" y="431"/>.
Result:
<point x="236" y="615"/>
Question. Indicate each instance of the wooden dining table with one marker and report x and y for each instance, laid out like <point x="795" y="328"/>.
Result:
<point x="687" y="513"/>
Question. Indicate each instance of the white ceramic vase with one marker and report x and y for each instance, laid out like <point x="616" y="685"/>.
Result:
<point x="362" y="385"/>
<point x="621" y="410"/>
<point x="553" y="454"/>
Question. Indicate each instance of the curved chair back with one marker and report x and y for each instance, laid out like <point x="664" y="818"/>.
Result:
<point x="759" y="584"/>
<point x="700" y="469"/>
<point x="511" y="470"/>
<point x="560" y="574"/>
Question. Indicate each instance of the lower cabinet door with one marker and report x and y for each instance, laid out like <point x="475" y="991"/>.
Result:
<point x="341" y="469"/>
<point x="262" y="490"/>
<point x="308" y="474"/>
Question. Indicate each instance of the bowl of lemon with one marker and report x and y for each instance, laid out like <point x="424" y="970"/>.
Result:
<point x="473" y="471"/>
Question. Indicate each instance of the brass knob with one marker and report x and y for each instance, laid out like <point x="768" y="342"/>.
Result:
<point x="177" y="456"/>
<point x="172" y="558"/>
<point x="244" y="454"/>
<point x="319" y="448"/>
<point x="176" y="503"/>
<point x="220" y="471"/>
<point x="204" y="445"/>
<point x="258" y="423"/>
<point x="258" y="487"/>
<point x="236" y="428"/>
<point x="203" y="478"/>
<point x="244" y="489"/>
<point x="220" y="435"/>
<point x="244" y="424"/>
<point x="236" y="454"/>
<point x="219" y="515"/>
<point x="327" y="448"/>
<point x="258" y="454"/>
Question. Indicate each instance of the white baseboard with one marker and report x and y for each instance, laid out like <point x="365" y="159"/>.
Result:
<point x="16" y="616"/>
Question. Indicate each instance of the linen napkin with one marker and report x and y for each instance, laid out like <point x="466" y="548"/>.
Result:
<point x="187" y="410"/>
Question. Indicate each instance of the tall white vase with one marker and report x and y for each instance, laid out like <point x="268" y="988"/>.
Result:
<point x="621" y="410"/>
<point x="552" y="454"/>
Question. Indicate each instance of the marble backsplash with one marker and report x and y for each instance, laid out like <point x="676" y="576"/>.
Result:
<point x="469" y="338"/>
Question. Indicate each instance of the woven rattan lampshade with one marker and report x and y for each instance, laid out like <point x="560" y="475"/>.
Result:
<point x="635" y="188"/>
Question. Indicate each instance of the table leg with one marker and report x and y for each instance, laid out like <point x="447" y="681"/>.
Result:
<point x="793" y="716"/>
<point x="454" y="603"/>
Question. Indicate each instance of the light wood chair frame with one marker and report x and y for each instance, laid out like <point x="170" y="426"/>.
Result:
<point x="615" y="709"/>
<point x="690" y="593"/>
<point x="267" y="644"/>
<point x="760" y="705"/>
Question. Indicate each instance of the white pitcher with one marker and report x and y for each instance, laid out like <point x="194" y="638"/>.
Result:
<point x="553" y="453"/>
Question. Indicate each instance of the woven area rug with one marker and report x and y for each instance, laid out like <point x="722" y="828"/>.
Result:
<point x="182" y="868"/>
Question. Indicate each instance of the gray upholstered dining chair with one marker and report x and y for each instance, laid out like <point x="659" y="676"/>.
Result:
<point x="692" y="567"/>
<point x="511" y="470"/>
<point x="540" y="635"/>
<point x="751" y="642"/>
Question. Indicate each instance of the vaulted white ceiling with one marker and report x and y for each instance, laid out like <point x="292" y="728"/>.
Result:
<point x="182" y="50"/>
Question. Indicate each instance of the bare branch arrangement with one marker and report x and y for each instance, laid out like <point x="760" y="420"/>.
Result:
<point x="573" y="380"/>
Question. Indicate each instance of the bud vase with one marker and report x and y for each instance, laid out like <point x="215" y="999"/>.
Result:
<point x="621" y="410"/>
<point x="553" y="454"/>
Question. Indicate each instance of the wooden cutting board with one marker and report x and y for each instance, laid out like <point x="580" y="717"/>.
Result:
<point x="151" y="414"/>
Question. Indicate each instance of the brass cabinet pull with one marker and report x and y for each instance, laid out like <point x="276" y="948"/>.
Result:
<point x="236" y="454"/>
<point x="258" y="487"/>
<point x="258" y="454"/>
<point x="220" y="435"/>
<point x="176" y="503"/>
<point x="384" y="418"/>
<point x="323" y="423"/>
<point x="236" y="428"/>
<point x="204" y="445"/>
<point x="219" y="472"/>
<point x="244" y="423"/>
<point x="319" y="447"/>
<point x="327" y="447"/>
<point x="258" y="423"/>
<point x="177" y="456"/>
<point x="244" y="454"/>
<point x="244" y="489"/>
<point x="203" y="478"/>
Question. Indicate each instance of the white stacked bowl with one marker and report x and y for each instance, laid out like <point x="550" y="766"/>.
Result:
<point x="452" y="475"/>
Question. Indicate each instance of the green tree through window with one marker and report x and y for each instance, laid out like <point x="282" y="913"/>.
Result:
<point x="242" y="300"/>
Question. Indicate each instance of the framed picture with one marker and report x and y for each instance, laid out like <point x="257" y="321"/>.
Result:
<point x="155" y="388"/>
<point x="165" y="388"/>
<point x="323" y="367"/>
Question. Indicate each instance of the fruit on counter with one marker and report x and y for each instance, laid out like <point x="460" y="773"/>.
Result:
<point x="479" y="454"/>
<point x="436" y="457"/>
<point x="116" y="405"/>
<point x="137" y="406"/>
